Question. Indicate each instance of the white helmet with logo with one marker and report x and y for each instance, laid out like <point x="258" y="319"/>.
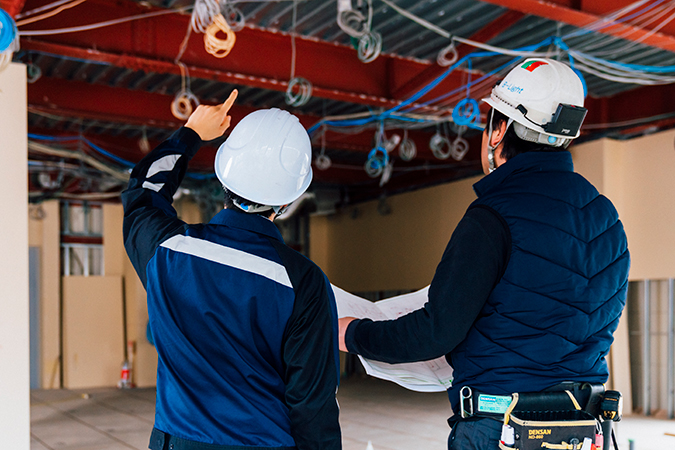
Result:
<point x="544" y="98"/>
<point x="267" y="158"/>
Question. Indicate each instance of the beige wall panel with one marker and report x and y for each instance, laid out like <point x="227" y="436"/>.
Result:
<point x="619" y="364"/>
<point x="648" y="207"/>
<point x="187" y="210"/>
<point x="367" y="251"/>
<point x="589" y="161"/>
<point x="636" y="175"/>
<point x="113" y="252"/>
<point x="319" y="241"/>
<point x="50" y="276"/>
<point x="14" y="328"/>
<point x="145" y="359"/>
<point x="35" y="226"/>
<point x="93" y="338"/>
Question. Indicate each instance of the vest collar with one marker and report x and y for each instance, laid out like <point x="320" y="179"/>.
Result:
<point x="525" y="162"/>
<point x="248" y="222"/>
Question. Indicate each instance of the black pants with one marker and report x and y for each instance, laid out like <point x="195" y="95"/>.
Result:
<point x="475" y="434"/>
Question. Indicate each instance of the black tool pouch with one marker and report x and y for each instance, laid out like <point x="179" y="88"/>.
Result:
<point x="547" y="420"/>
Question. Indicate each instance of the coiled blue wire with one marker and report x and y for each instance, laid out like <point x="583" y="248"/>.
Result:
<point x="466" y="112"/>
<point x="378" y="162"/>
<point x="7" y="30"/>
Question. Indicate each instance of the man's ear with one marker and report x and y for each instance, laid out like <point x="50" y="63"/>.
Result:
<point x="498" y="134"/>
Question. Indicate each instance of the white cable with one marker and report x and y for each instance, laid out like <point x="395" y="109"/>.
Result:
<point x="442" y="58"/>
<point x="41" y="148"/>
<point x="304" y="86"/>
<point x="348" y="19"/>
<point x="370" y="46"/>
<point x="503" y="51"/>
<point x="214" y="45"/>
<point x="7" y="55"/>
<point x="181" y="106"/>
<point x="203" y="14"/>
<point x="40" y="9"/>
<point x="436" y="144"/>
<point x="407" y="150"/>
<point x="664" y="9"/>
<point x="303" y="94"/>
<point x="235" y="18"/>
<point x="107" y="23"/>
<point x="419" y="20"/>
<point x="460" y="147"/>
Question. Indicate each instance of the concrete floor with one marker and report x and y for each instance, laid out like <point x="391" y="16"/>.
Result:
<point x="388" y="416"/>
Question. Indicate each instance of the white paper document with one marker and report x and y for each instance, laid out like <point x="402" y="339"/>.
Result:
<point x="424" y="376"/>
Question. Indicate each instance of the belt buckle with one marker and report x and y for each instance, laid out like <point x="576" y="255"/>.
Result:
<point x="466" y="402"/>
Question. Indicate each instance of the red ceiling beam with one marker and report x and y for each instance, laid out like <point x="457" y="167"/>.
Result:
<point x="133" y="62"/>
<point x="260" y="58"/>
<point x="13" y="7"/>
<point x="490" y="31"/>
<point x="77" y="99"/>
<point x="561" y="11"/>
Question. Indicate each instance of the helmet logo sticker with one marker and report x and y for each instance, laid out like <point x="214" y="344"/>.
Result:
<point x="511" y="87"/>
<point x="531" y="65"/>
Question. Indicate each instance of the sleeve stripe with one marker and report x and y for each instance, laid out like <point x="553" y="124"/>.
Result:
<point x="166" y="163"/>
<point x="153" y="186"/>
<point x="229" y="257"/>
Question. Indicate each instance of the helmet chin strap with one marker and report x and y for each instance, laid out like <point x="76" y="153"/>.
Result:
<point x="252" y="208"/>
<point x="491" y="148"/>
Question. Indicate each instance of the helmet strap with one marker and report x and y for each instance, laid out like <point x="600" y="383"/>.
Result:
<point x="253" y="208"/>
<point x="491" y="148"/>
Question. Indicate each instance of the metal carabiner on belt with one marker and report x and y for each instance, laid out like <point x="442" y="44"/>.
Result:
<point x="466" y="402"/>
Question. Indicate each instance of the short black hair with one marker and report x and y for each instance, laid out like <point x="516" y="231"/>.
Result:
<point x="231" y="198"/>
<point x="513" y="145"/>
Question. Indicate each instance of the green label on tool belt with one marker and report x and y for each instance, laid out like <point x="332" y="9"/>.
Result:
<point x="493" y="403"/>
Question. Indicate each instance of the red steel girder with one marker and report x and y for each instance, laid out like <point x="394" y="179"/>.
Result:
<point x="13" y="7"/>
<point x="490" y="31"/>
<point x="78" y="99"/>
<point x="260" y="58"/>
<point x="167" y="67"/>
<point x="562" y="11"/>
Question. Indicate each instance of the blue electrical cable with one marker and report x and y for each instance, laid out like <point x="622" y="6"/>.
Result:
<point x="122" y="161"/>
<point x="8" y="30"/>
<point x="426" y="89"/>
<point x="42" y="137"/>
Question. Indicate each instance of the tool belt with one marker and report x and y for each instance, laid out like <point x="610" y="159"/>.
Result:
<point x="549" y="420"/>
<point x="562" y="418"/>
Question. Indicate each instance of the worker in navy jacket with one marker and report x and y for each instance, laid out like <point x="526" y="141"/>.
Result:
<point x="245" y="328"/>
<point x="533" y="281"/>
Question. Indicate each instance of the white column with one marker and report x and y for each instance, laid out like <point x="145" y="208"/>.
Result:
<point x="14" y="350"/>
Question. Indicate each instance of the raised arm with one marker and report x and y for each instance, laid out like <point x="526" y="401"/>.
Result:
<point x="149" y="217"/>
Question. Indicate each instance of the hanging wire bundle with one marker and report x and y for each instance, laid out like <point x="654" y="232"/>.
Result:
<point x="214" y="45"/>
<point x="235" y="18"/>
<point x="299" y="89"/>
<point x="407" y="150"/>
<point x="358" y="26"/>
<point x="185" y="100"/>
<point x="322" y="161"/>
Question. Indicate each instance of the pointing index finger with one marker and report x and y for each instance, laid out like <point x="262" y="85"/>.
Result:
<point x="230" y="101"/>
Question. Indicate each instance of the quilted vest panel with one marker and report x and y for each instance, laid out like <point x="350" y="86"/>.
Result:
<point x="552" y="315"/>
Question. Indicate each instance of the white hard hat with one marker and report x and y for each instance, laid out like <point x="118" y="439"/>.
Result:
<point x="267" y="158"/>
<point x="544" y="96"/>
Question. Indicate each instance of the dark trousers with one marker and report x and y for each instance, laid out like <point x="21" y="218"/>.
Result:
<point x="475" y="434"/>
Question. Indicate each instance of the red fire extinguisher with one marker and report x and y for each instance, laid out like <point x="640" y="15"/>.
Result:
<point x="125" y="378"/>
